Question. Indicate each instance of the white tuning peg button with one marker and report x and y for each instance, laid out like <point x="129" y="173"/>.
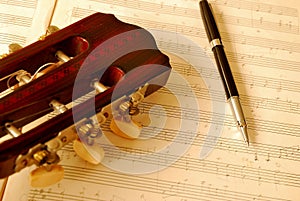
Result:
<point x="126" y="129"/>
<point x="46" y="175"/>
<point x="90" y="153"/>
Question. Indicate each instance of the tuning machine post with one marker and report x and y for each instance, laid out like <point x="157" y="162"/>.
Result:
<point x="13" y="47"/>
<point x="88" y="131"/>
<point x="85" y="146"/>
<point x="50" y="30"/>
<point x="123" y="122"/>
<point x="51" y="67"/>
<point x="23" y="76"/>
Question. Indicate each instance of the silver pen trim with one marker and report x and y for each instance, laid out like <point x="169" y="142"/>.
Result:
<point x="238" y="114"/>
<point x="213" y="43"/>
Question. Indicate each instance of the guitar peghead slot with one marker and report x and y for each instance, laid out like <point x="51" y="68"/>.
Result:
<point x="52" y="64"/>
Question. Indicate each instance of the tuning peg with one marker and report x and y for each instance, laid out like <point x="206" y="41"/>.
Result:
<point x="14" y="47"/>
<point x="125" y="128"/>
<point x="126" y="118"/>
<point x="50" y="30"/>
<point x="90" y="153"/>
<point x="11" y="48"/>
<point x="47" y="175"/>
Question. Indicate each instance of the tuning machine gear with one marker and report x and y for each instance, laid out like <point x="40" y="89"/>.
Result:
<point x="46" y="72"/>
<point x="123" y="123"/>
<point x="13" y="47"/>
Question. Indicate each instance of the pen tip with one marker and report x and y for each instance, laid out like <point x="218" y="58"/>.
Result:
<point x="245" y="134"/>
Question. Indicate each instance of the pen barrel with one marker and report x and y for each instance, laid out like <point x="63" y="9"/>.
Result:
<point x="225" y="72"/>
<point x="209" y="22"/>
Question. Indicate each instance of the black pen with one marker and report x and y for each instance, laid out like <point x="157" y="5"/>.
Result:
<point x="231" y="91"/>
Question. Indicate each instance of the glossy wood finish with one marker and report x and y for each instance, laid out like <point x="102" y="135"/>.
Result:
<point x="102" y="48"/>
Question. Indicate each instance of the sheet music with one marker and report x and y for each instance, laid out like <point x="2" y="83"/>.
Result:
<point x="23" y="22"/>
<point x="261" y="40"/>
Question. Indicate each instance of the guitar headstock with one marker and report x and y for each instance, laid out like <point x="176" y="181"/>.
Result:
<point x="119" y="61"/>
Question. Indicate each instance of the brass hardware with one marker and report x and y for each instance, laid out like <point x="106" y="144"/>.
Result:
<point x="27" y="160"/>
<point x="50" y="30"/>
<point x="46" y="153"/>
<point x="58" y="107"/>
<point x="88" y="132"/>
<point x="14" y="47"/>
<point x="11" y="48"/>
<point x="23" y="77"/>
<point x="123" y="123"/>
<point x="99" y="86"/>
<point x="3" y="55"/>
<point x="131" y="106"/>
<point x="41" y="156"/>
<point x="62" y="56"/>
<point x="12" y="130"/>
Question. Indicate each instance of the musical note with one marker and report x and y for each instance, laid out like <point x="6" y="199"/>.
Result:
<point x="260" y="69"/>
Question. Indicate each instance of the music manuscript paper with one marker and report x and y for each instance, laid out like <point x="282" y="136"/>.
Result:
<point x="191" y="149"/>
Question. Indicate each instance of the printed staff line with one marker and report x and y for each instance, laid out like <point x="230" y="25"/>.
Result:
<point x="200" y="32"/>
<point x="235" y="145"/>
<point x="124" y="183"/>
<point x="262" y="61"/>
<point x="273" y="83"/>
<point x="42" y="198"/>
<point x="258" y="150"/>
<point x="15" y="20"/>
<point x="26" y="4"/>
<point x="203" y="166"/>
<point x="251" y="80"/>
<point x="259" y="7"/>
<point x="250" y="101"/>
<point x="11" y="38"/>
<point x="193" y="13"/>
<point x="254" y="124"/>
<point x="270" y="104"/>
<point x="257" y="23"/>
<point x="151" y="7"/>
<point x="162" y="187"/>
<point x="226" y="37"/>
<point x="245" y="5"/>
<point x="227" y="144"/>
<point x="207" y="166"/>
<point x="272" y="44"/>
<point x="259" y="125"/>
<point x="35" y="194"/>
